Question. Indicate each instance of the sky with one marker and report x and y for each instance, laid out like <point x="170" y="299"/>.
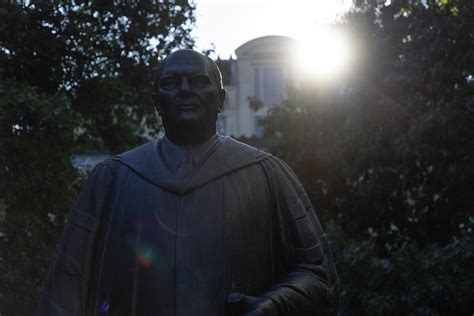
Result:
<point x="227" y="24"/>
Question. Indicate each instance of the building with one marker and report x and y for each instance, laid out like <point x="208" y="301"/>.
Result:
<point x="261" y="71"/>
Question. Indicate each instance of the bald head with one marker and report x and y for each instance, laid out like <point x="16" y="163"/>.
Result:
<point x="212" y="66"/>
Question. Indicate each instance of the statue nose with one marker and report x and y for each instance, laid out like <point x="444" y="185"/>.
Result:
<point x="184" y="86"/>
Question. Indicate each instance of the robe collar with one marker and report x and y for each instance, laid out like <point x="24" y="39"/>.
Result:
<point x="181" y="159"/>
<point x="223" y="157"/>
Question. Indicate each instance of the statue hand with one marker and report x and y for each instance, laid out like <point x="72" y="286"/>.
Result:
<point x="249" y="305"/>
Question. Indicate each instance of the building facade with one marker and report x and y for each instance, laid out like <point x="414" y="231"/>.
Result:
<point x="261" y="71"/>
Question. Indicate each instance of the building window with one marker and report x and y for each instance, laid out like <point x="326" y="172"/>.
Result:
<point x="222" y="125"/>
<point x="269" y="84"/>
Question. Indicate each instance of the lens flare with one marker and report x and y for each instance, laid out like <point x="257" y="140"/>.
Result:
<point x="145" y="256"/>
<point x="325" y="54"/>
<point x="104" y="307"/>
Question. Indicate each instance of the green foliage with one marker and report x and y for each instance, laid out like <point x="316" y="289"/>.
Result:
<point x="37" y="187"/>
<point x="74" y="77"/>
<point x="379" y="150"/>
<point x="36" y="138"/>
<point x="254" y="103"/>
<point x="386" y="155"/>
<point x="112" y="47"/>
<point x="409" y="280"/>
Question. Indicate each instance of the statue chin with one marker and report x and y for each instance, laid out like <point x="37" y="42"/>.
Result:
<point x="190" y="131"/>
<point x="191" y="127"/>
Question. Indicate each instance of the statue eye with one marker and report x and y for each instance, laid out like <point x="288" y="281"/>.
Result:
<point x="200" y="81"/>
<point x="168" y="83"/>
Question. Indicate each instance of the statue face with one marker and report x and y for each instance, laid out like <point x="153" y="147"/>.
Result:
<point x="188" y="97"/>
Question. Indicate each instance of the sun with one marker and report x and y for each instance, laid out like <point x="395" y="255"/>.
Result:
<point x="324" y="54"/>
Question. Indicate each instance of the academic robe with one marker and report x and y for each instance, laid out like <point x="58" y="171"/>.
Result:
<point x="142" y="241"/>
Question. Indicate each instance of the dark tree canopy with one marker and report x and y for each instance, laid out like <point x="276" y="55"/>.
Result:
<point x="392" y="140"/>
<point x="100" y="53"/>
<point x="75" y="76"/>
<point x="387" y="156"/>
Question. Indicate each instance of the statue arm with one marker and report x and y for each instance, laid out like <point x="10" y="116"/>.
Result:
<point x="64" y="290"/>
<point x="311" y="284"/>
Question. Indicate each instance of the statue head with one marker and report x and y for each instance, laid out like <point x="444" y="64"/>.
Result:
<point x="189" y="95"/>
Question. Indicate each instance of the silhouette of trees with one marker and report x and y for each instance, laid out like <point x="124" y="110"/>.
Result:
<point x="73" y="76"/>
<point x="386" y="155"/>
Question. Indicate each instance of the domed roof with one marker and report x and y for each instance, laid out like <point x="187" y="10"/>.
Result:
<point x="265" y="46"/>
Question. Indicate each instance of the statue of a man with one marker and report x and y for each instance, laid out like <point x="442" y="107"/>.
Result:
<point x="193" y="223"/>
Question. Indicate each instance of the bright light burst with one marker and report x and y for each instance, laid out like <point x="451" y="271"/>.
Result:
<point x="324" y="54"/>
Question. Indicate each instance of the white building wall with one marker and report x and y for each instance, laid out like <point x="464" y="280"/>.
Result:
<point x="268" y="51"/>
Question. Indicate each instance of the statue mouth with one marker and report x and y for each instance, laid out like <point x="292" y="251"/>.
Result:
<point x="188" y="106"/>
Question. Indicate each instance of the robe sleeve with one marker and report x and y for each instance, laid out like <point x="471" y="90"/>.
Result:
<point x="311" y="285"/>
<point x="65" y="289"/>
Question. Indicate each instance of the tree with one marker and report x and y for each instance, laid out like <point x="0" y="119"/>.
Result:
<point x="38" y="184"/>
<point x="92" y="48"/>
<point x="74" y="76"/>
<point x="390" y="150"/>
<point x="386" y="155"/>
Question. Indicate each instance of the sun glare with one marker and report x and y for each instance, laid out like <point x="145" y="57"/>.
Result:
<point x="324" y="54"/>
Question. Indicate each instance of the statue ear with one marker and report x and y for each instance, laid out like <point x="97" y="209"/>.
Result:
<point x="222" y="94"/>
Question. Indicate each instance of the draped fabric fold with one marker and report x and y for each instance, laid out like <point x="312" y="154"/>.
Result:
<point x="141" y="240"/>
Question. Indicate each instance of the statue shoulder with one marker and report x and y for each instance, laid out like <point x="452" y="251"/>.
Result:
<point x="138" y="153"/>
<point x="232" y="147"/>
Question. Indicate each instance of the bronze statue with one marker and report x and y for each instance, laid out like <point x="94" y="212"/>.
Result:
<point x="193" y="223"/>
